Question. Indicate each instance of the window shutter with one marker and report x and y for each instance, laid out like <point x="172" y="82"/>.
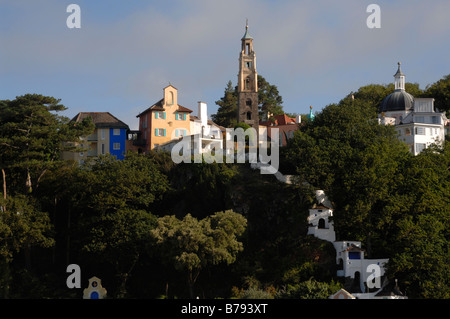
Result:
<point x="176" y="116"/>
<point x="184" y="116"/>
<point x="164" y="115"/>
<point x="156" y="115"/>
<point x="164" y="132"/>
<point x="176" y="133"/>
<point x="156" y="132"/>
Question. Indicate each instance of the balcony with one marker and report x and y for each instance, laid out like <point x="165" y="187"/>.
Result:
<point x="92" y="137"/>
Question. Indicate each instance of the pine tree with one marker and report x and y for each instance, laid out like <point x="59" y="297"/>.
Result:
<point x="227" y="113"/>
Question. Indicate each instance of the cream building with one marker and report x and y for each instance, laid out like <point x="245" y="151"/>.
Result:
<point x="163" y="121"/>
<point x="416" y="120"/>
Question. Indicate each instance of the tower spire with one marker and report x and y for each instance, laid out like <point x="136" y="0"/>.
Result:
<point x="247" y="82"/>
<point x="399" y="82"/>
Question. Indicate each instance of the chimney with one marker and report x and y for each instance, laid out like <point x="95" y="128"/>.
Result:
<point x="298" y="119"/>
<point x="203" y="113"/>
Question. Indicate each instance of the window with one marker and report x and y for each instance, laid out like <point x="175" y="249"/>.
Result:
<point x="420" y="131"/>
<point x="249" y="115"/>
<point x="407" y="131"/>
<point x="247" y="84"/>
<point x="435" y="120"/>
<point x="116" y="146"/>
<point x="103" y="133"/>
<point x="180" y="116"/>
<point x="420" y="119"/>
<point x="420" y="147"/>
<point x="160" y="115"/>
<point x="144" y="121"/>
<point x="248" y="102"/>
<point x="103" y="149"/>
<point x="354" y="255"/>
<point x="248" y="64"/>
<point x="180" y="132"/>
<point x="170" y="99"/>
<point x="116" y="131"/>
<point x="321" y="223"/>
<point x="160" y="132"/>
<point x="247" y="48"/>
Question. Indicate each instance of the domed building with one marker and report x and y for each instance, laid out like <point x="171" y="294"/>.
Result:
<point x="399" y="103"/>
<point x="417" y="122"/>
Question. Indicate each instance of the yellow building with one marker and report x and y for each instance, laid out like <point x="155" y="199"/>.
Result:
<point x="163" y="121"/>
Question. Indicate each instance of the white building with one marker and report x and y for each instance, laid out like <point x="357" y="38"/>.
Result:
<point x="417" y="122"/>
<point x="350" y="257"/>
<point x="205" y="134"/>
<point x="209" y="134"/>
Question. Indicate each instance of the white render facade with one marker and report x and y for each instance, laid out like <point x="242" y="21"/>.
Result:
<point x="416" y="120"/>
<point x="349" y="254"/>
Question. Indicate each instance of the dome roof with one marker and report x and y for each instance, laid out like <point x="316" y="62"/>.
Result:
<point x="399" y="100"/>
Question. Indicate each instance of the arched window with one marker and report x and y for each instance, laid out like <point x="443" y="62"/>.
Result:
<point x="94" y="295"/>
<point x="247" y="83"/>
<point x="340" y="264"/>
<point x="249" y="115"/>
<point x="170" y="99"/>
<point x="321" y="223"/>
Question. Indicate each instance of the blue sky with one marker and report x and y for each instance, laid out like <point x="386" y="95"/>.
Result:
<point x="126" y="52"/>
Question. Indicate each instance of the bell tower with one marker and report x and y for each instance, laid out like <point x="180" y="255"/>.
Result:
<point x="248" y="83"/>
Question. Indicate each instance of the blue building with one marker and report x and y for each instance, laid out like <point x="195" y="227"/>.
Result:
<point x="109" y="137"/>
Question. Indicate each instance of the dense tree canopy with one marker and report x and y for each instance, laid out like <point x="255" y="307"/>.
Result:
<point x="147" y="226"/>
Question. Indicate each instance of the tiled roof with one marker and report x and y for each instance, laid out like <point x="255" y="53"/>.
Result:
<point x="184" y="109"/>
<point x="158" y="106"/>
<point x="282" y="119"/>
<point x="101" y="119"/>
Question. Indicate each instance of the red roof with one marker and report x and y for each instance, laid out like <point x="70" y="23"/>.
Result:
<point x="276" y="120"/>
<point x="158" y="106"/>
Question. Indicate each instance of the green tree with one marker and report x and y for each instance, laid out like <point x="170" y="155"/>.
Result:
<point x="345" y="152"/>
<point x="226" y="115"/>
<point x="32" y="136"/>
<point x="192" y="245"/>
<point x="269" y="98"/>
<point x="113" y="212"/>
<point x="419" y="246"/>
<point x="440" y="91"/>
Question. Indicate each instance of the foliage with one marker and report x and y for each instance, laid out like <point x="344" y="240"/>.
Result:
<point x="226" y="115"/>
<point x="22" y="226"/>
<point x="309" y="289"/>
<point x="141" y="222"/>
<point x="269" y="100"/>
<point x="32" y="136"/>
<point x="192" y="245"/>
<point x="440" y="91"/>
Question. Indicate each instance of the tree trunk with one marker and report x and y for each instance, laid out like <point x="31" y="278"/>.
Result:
<point x="192" y="278"/>
<point x="4" y="183"/>
<point x="28" y="182"/>
<point x="4" y="188"/>
<point x="124" y="278"/>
